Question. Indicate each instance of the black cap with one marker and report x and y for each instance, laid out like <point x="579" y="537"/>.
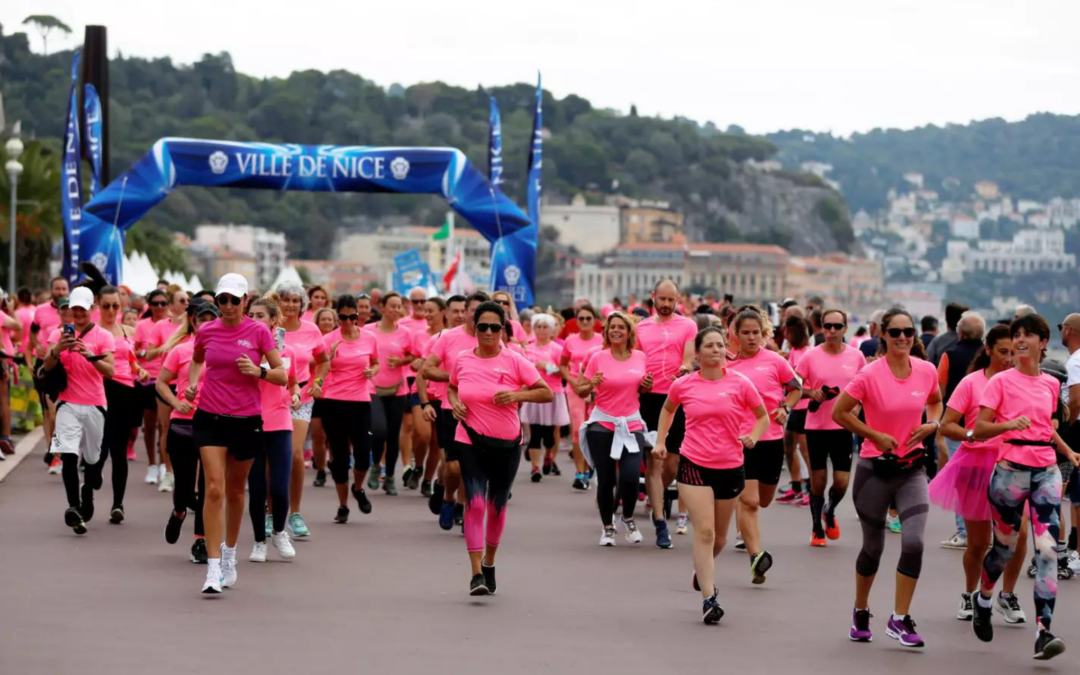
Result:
<point x="201" y="306"/>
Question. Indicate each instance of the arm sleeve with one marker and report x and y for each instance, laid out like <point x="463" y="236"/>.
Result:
<point x="676" y="391"/>
<point x="960" y="400"/>
<point x="172" y="361"/>
<point x="856" y="389"/>
<point x="991" y="396"/>
<point x="455" y="373"/>
<point x="750" y="395"/>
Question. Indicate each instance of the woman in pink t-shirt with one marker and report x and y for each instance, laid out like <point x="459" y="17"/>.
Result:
<point x="577" y="348"/>
<point x="312" y="364"/>
<point x="1018" y="406"/>
<point x="895" y="392"/>
<point x="545" y="418"/>
<point x="486" y="387"/>
<point x="275" y="462"/>
<point x="392" y="392"/>
<point x="797" y="336"/>
<point x="318" y="299"/>
<point x="228" y="423"/>
<point x="423" y="397"/>
<point x="181" y="439"/>
<point x="780" y="389"/>
<point x="617" y="375"/>
<point x="716" y="401"/>
<point x="961" y="485"/>
<point x="148" y="350"/>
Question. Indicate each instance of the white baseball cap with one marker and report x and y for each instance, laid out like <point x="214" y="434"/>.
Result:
<point x="81" y="297"/>
<point x="233" y="284"/>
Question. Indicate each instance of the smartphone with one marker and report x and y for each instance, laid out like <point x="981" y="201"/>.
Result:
<point x="279" y="336"/>
<point x="69" y="329"/>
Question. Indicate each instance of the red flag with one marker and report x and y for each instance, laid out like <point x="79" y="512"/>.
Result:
<point x="451" y="272"/>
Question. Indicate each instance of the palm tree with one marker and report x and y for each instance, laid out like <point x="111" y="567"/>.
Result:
<point x="38" y="222"/>
<point x="45" y="24"/>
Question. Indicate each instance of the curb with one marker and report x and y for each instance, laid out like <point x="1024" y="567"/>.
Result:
<point x="23" y="449"/>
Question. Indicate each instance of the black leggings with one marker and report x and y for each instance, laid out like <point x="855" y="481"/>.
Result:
<point x="347" y="424"/>
<point x="186" y="469"/>
<point x="275" y="457"/>
<point x="123" y="416"/>
<point x="625" y="471"/>
<point x="541" y="433"/>
<point x="488" y="474"/>
<point x="386" y="416"/>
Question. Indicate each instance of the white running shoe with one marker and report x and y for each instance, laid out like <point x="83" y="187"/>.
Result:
<point x="161" y="470"/>
<point x="213" y="579"/>
<point x="258" y="552"/>
<point x="957" y="542"/>
<point x="607" y="537"/>
<point x="151" y="475"/>
<point x="168" y="483"/>
<point x="681" y="523"/>
<point x="1074" y="562"/>
<point x="228" y="567"/>
<point x="632" y="534"/>
<point x="283" y="544"/>
<point x="1009" y="607"/>
<point x="967" y="609"/>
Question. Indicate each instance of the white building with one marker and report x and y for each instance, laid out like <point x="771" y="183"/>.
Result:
<point x="375" y="251"/>
<point x="590" y="229"/>
<point x="964" y="227"/>
<point x="268" y="249"/>
<point x="1029" y="251"/>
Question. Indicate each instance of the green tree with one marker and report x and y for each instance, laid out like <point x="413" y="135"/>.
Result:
<point x="45" y="24"/>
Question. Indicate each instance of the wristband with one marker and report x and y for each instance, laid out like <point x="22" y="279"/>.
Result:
<point x="318" y="381"/>
<point x="263" y="373"/>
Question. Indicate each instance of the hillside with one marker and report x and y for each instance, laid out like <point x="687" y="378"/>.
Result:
<point x="1031" y="159"/>
<point x="698" y="169"/>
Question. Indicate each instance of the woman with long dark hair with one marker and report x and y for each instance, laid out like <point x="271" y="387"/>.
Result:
<point x="394" y="343"/>
<point x="576" y="351"/>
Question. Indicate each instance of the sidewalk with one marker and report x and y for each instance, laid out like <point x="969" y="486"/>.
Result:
<point x="24" y="446"/>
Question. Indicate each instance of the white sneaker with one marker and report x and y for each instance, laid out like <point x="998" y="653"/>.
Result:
<point x="632" y="534"/>
<point x="681" y="524"/>
<point x="1009" y="607"/>
<point x="161" y="470"/>
<point x="228" y="567"/>
<point x="967" y="609"/>
<point x="258" y="553"/>
<point x="283" y="544"/>
<point x="213" y="579"/>
<point x="151" y="475"/>
<point x="607" y="537"/>
<point x="167" y="483"/>
<point x="957" y="542"/>
<point x="1074" y="562"/>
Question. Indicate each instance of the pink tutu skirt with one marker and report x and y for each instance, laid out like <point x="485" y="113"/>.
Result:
<point x="962" y="486"/>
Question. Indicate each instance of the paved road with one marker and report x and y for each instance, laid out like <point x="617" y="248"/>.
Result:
<point x="387" y="593"/>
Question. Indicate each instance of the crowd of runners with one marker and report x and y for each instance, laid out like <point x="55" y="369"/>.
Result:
<point x="680" y="408"/>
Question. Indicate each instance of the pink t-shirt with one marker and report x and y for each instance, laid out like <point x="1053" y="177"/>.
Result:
<point x="1011" y="394"/>
<point x="85" y="385"/>
<point x="47" y="319"/>
<point x="617" y="395"/>
<point x="478" y="380"/>
<point x="5" y="337"/>
<point x="276" y="410"/>
<point x="715" y="417"/>
<point x="549" y="353"/>
<point x="965" y="400"/>
<point x="769" y="372"/>
<point x="818" y="368"/>
<point x="226" y="391"/>
<point x="148" y="336"/>
<point x="663" y="344"/>
<point x="123" y="355"/>
<point x="178" y="362"/>
<point x="893" y="406"/>
<point x="518" y="332"/>
<point x="446" y="348"/>
<point x="793" y="358"/>
<point x="165" y="330"/>
<point x="346" y="381"/>
<point x="395" y="343"/>
<point x="306" y="343"/>
<point x="25" y="315"/>
<point x="578" y="350"/>
<point x="413" y="324"/>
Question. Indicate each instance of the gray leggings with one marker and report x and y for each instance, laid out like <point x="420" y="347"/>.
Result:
<point x="872" y="496"/>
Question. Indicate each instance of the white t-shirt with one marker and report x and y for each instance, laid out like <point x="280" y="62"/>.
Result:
<point x="1072" y="368"/>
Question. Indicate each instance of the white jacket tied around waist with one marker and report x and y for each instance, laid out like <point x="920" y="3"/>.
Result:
<point x="624" y="438"/>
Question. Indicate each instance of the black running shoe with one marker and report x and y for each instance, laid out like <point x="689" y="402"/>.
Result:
<point x="489" y="576"/>
<point x="478" y="585"/>
<point x="535" y="476"/>
<point x="1047" y="646"/>
<point x="711" y="611"/>
<point x="414" y="480"/>
<point x="116" y="516"/>
<point x="759" y="565"/>
<point x="342" y="515"/>
<point x="320" y="479"/>
<point x="406" y="475"/>
<point x="579" y="483"/>
<point x="555" y="469"/>
<point x="198" y="552"/>
<point x="547" y="468"/>
<point x="361" y="500"/>
<point x="435" y="500"/>
<point x="75" y="521"/>
<point x="982" y="620"/>
<point x="172" y="528"/>
<point x="425" y="488"/>
<point x="459" y="514"/>
<point x="86" y="509"/>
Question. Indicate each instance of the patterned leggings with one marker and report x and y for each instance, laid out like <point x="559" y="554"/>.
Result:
<point x="1012" y="487"/>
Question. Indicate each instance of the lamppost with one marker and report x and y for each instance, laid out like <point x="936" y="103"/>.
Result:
<point x="14" y="169"/>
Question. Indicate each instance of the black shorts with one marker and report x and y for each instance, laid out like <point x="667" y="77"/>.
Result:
<point x="157" y="394"/>
<point x="765" y="461"/>
<point x="651" y="405"/>
<point x="241" y="436"/>
<point x="148" y="396"/>
<point x="796" y="422"/>
<point x="446" y="426"/>
<point x="725" y="483"/>
<point x="829" y="444"/>
<point x="317" y="407"/>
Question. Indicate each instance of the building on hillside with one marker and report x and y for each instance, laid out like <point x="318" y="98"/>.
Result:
<point x="855" y="285"/>
<point x="239" y="242"/>
<point x="750" y="272"/>
<point x="1029" y="251"/>
<point x="964" y="226"/>
<point x="987" y="189"/>
<point x="591" y="229"/>
<point x="649" y="222"/>
<point x="222" y="261"/>
<point x="915" y="179"/>
<point x="374" y="252"/>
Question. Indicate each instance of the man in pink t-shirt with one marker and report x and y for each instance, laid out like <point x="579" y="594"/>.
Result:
<point x="86" y="356"/>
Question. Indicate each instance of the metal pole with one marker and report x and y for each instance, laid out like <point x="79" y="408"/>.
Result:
<point x="11" y="241"/>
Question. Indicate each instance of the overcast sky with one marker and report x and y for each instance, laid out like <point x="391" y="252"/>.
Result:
<point x="829" y="65"/>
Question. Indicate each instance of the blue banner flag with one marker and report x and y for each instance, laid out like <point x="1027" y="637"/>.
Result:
<point x="495" y="160"/>
<point x="92" y="110"/>
<point x="174" y="162"/>
<point x="71" y="180"/>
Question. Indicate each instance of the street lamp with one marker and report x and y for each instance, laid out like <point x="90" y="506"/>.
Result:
<point x="14" y="169"/>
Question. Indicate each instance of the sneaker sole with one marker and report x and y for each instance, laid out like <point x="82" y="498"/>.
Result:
<point x="1053" y="648"/>
<point x="858" y="639"/>
<point x="759" y="572"/>
<point x="909" y="645"/>
<point x="116" y="517"/>
<point x="210" y="590"/>
<point x="480" y="590"/>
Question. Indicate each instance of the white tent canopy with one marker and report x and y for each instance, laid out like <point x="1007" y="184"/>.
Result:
<point x="287" y="275"/>
<point x="140" y="276"/>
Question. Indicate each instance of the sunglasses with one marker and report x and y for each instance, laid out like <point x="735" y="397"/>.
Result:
<point x="111" y="305"/>
<point x="834" y="326"/>
<point x="224" y="299"/>
<point x="489" y="328"/>
<point x="1063" y="326"/>
<point x="897" y="332"/>
<point x="159" y="304"/>
<point x="363" y="296"/>
<point x="184" y="301"/>
<point x="586" y="317"/>
<point x="504" y="303"/>
<point x="418" y="302"/>
<point x="348" y="317"/>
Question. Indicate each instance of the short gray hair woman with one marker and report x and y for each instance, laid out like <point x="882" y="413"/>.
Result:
<point x="291" y="289"/>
